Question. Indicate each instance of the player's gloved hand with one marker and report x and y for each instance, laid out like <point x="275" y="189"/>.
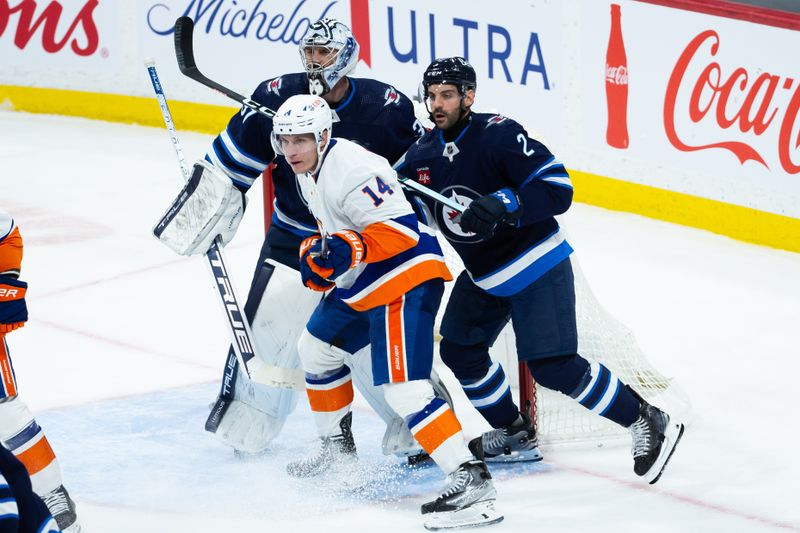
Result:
<point x="484" y="214"/>
<point x="13" y="311"/>
<point x="346" y="250"/>
<point x="312" y="246"/>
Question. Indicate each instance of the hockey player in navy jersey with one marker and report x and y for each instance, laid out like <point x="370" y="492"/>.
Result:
<point x="373" y="114"/>
<point x="518" y="268"/>
<point x="19" y="431"/>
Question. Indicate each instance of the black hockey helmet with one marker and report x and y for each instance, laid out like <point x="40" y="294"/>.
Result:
<point x="451" y="70"/>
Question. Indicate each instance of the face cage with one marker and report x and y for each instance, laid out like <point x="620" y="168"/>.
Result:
<point x="319" y="76"/>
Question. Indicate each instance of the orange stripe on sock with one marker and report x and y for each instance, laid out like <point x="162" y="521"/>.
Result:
<point x="394" y="342"/>
<point x="437" y="431"/>
<point x="9" y="384"/>
<point x="326" y="401"/>
<point x="38" y="456"/>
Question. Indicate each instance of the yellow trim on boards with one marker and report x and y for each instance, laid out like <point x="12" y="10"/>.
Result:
<point x="742" y="223"/>
<point x="203" y="118"/>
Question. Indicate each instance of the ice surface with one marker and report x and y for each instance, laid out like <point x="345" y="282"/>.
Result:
<point x="125" y="345"/>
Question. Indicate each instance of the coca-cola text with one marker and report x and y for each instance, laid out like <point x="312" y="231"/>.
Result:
<point x="756" y="114"/>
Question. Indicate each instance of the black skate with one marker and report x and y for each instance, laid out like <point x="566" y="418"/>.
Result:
<point x="62" y="508"/>
<point x="513" y="443"/>
<point x="335" y="451"/>
<point x="655" y="437"/>
<point x="466" y="501"/>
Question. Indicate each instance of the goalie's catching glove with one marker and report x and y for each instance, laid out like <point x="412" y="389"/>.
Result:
<point x="484" y="214"/>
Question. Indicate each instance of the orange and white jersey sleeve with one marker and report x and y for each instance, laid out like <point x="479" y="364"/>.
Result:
<point x="358" y="190"/>
<point x="10" y="246"/>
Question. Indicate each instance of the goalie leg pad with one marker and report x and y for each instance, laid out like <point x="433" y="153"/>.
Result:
<point x="208" y="205"/>
<point x="281" y="311"/>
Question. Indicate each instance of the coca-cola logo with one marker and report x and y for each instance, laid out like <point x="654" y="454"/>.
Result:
<point x="617" y="75"/>
<point x="51" y="24"/>
<point x="733" y="103"/>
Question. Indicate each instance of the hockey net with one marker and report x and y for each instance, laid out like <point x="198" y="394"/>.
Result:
<point x="602" y="338"/>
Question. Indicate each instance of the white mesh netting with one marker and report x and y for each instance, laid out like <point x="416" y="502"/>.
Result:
<point x="602" y="338"/>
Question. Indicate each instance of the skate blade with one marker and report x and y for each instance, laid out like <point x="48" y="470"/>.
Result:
<point x="671" y="439"/>
<point x="528" y="456"/>
<point x="478" y="514"/>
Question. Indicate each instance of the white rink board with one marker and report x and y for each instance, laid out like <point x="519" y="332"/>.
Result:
<point x="541" y="62"/>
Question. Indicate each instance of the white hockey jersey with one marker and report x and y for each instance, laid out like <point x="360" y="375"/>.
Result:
<point x="358" y="190"/>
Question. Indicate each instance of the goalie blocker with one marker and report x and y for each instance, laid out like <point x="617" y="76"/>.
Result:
<point x="208" y="205"/>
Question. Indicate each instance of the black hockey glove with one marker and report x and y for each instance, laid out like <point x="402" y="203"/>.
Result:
<point x="485" y="213"/>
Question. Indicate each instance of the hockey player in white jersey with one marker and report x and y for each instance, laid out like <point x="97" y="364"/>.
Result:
<point x="385" y="275"/>
<point x="19" y="431"/>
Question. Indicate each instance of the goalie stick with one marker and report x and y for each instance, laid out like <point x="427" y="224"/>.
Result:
<point x="184" y="52"/>
<point x="238" y="326"/>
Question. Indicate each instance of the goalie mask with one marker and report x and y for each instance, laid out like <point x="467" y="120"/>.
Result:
<point x="302" y="114"/>
<point x="329" y="53"/>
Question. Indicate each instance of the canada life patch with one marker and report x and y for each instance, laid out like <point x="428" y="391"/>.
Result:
<point x="424" y="175"/>
<point x="274" y="86"/>
<point x="391" y="96"/>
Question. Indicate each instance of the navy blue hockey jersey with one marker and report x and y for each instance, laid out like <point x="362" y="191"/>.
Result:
<point x="21" y="510"/>
<point x="373" y="114"/>
<point x="492" y="153"/>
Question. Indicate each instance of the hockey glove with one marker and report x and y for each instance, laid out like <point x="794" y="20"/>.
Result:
<point x="209" y="205"/>
<point x="485" y="213"/>
<point x="346" y="250"/>
<point x="13" y="311"/>
<point x="312" y="246"/>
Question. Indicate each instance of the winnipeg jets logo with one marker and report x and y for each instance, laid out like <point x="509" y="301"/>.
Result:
<point x="391" y="96"/>
<point x="274" y="86"/>
<point x="450" y="151"/>
<point x="497" y="119"/>
<point x="449" y="219"/>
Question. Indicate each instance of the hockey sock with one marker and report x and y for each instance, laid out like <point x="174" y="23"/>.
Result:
<point x="33" y="450"/>
<point x="491" y="396"/>
<point x="592" y="385"/>
<point x="438" y="431"/>
<point x="330" y="396"/>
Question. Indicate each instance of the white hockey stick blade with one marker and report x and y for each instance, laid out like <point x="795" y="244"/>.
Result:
<point x="476" y="515"/>
<point x="275" y="376"/>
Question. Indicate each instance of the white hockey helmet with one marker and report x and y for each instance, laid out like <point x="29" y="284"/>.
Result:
<point x="333" y="38"/>
<point x="300" y="114"/>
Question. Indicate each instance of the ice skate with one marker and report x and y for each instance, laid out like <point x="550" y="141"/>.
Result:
<point x="466" y="501"/>
<point x="655" y="437"/>
<point x="513" y="443"/>
<point x="62" y="508"/>
<point x="334" y="451"/>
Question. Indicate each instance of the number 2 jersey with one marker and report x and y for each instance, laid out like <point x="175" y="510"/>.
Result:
<point x="372" y="114"/>
<point x="358" y="190"/>
<point x="493" y="152"/>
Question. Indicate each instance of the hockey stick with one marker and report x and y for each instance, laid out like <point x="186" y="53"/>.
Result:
<point x="184" y="52"/>
<point x="238" y="326"/>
